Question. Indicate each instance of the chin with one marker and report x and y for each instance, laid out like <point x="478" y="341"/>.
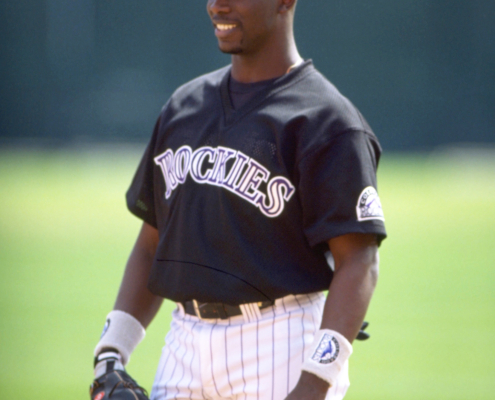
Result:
<point x="235" y="50"/>
<point x="230" y="48"/>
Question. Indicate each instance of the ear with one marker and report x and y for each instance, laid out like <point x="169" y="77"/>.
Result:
<point x="287" y="5"/>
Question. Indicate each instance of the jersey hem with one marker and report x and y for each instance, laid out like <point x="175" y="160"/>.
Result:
<point x="324" y="235"/>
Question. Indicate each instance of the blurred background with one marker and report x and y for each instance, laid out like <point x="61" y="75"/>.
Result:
<point x="81" y="85"/>
<point x="421" y="71"/>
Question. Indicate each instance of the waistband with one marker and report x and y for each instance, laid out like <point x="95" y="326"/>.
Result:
<point x="218" y="310"/>
<point x="250" y="311"/>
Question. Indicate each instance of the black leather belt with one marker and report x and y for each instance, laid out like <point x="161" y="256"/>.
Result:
<point x="217" y="310"/>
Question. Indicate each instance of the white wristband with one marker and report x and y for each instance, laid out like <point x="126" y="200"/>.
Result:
<point x="328" y="354"/>
<point x="122" y="332"/>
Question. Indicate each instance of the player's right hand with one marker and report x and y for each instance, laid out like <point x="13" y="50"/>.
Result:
<point x="113" y="382"/>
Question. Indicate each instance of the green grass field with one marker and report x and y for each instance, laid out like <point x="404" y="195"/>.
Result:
<point x="65" y="235"/>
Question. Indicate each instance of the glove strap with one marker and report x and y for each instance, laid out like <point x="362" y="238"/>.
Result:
<point x="328" y="354"/>
<point x="106" y="362"/>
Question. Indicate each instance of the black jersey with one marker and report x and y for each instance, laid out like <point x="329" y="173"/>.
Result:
<point x="245" y="200"/>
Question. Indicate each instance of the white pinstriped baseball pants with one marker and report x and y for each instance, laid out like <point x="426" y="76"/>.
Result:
<point x="254" y="356"/>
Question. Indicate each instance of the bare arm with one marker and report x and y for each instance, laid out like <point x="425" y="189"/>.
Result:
<point x="353" y="284"/>
<point x="134" y="296"/>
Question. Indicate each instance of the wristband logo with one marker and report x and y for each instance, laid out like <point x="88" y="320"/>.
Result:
<point x="229" y="169"/>
<point x="105" y="328"/>
<point x="327" y="351"/>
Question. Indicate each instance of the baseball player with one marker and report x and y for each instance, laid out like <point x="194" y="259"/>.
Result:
<point x="257" y="193"/>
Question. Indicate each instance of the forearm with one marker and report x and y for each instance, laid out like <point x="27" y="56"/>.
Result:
<point x="353" y="284"/>
<point x="134" y="296"/>
<point x="345" y="308"/>
<point x="349" y="296"/>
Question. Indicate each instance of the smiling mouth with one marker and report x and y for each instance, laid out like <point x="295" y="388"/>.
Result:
<point x="224" y="31"/>
<point x="225" y="27"/>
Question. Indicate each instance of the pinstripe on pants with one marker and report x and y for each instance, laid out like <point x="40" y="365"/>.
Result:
<point x="254" y="356"/>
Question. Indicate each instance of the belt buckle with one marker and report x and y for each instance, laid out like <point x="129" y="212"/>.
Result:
<point x="210" y="310"/>
<point x="196" y="309"/>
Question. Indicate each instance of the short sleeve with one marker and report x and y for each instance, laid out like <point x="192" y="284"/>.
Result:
<point x="140" y="195"/>
<point x="338" y="188"/>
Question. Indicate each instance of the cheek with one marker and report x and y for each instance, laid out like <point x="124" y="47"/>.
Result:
<point x="261" y="21"/>
<point x="269" y="17"/>
<point x="209" y="4"/>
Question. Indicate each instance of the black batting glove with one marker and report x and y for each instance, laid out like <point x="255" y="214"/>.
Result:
<point x="362" y="335"/>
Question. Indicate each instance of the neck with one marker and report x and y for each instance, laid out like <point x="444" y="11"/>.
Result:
<point x="267" y="63"/>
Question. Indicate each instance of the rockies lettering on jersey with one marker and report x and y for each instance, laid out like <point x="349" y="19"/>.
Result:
<point x="243" y="178"/>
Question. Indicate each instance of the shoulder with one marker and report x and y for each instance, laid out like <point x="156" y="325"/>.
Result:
<point x="194" y="97"/>
<point x="327" y="106"/>
<point x="199" y="88"/>
<point x="316" y="113"/>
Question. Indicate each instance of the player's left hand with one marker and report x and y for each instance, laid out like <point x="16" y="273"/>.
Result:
<point x="362" y="335"/>
<point x="309" y="387"/>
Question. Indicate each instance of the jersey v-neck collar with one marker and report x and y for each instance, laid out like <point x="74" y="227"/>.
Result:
<point x="232" y="115"/>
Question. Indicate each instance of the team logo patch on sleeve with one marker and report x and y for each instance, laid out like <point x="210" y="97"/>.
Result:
<point x="369" y="205"/>
<point x="327" y="351"/>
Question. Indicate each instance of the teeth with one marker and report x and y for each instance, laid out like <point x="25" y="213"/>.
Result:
<point x="224" y="27"/>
